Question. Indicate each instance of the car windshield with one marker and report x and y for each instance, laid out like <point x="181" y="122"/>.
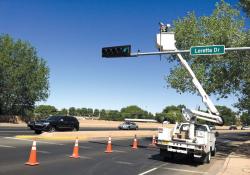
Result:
<point x="53" y="118"/>
<point x="126" y="123"/>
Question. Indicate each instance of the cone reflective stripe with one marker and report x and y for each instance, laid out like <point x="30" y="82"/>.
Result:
<point x="33" y="158"/>
<point x="153" y="141"/>
<point x="135" y="144"/>
<point x="75" y="150"/>
<point x="109" y="146"/>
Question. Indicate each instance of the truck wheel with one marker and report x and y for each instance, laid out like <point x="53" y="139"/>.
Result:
<point x="191" y="156"/>
<point x="52" y="129"/>
<point x="207" y="158"/>
<point x="38" y="131"/>
<point x="166" y="155"/>
<point x="76" y="128"/>
<point x="213" y="152"/>
<point x="163" y="153"/>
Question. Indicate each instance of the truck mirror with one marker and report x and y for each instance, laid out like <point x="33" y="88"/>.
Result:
<point x="217" y="134"/>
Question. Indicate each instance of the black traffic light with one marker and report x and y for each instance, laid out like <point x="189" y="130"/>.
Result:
<point x="116" y="51"/>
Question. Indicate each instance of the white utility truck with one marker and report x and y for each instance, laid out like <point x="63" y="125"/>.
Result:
<point x="190" y="138"/>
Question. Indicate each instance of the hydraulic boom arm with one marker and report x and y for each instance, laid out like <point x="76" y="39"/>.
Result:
<point x="166" y="42"/>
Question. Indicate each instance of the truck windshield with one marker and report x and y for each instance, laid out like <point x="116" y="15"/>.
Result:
<point x="200" y="128"/>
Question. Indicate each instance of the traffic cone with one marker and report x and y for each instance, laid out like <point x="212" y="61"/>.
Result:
<point x="32" y="159"/>
<point x="153" y="141"/>
<point x="109" y="146"/>
<point x="75" y="150"/>
<point x="135" y="143"/>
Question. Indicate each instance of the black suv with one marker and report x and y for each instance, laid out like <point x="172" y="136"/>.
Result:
<point x="59" y="123"/>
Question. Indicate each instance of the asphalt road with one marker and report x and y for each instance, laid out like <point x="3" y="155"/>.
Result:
<point x="13" y="131"/>
<point x="54" y="158"/>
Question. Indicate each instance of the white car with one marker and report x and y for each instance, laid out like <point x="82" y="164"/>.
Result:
<point x="245" y="128"/>
<point x="128" y="126"/>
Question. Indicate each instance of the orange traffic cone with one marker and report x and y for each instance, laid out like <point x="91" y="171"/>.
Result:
<point x="153" y="141"/>
<point x="109" y="146"/>
<point x="135" y="144"/>
<point x="75" y="150"/>
<point x="32" y="160"/>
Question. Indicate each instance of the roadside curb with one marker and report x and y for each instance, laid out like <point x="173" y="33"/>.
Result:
<point x="223" y="169"/>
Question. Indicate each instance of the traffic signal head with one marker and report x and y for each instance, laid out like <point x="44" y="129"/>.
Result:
<point x="116" y="51"/>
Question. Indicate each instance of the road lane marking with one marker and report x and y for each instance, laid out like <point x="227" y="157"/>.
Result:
<point x="153" y="169"/>
<point x="146" y="172"/>
<point x="117" y="151"/>
<point x="124" y="163"/>
<point x="187" y="171"/>
<point x="52" y="143"/>
<point x="81" y="157"/>
<point x="85" y="157"/>
<point x="44" y="152"/>
<point x="7" y="146"/>
<point x="85" y="147"/>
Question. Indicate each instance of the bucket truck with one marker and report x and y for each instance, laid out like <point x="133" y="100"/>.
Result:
<point x="190" y="138"/>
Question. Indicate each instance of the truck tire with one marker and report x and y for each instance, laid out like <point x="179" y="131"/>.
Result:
<point x="191" y="156"/>
<point x="38" y="131"/>
<point x="166" y="155"/>
<point x="207" y="157"/>
<point x="213" y="152"/>
<point x="52" y="129"/>
<point x="163" y="152"/>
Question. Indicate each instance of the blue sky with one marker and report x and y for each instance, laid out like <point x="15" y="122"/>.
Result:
<point x="69" y="35"/>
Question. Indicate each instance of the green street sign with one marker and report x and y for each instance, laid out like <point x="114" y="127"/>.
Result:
<point x="207" y="50"/>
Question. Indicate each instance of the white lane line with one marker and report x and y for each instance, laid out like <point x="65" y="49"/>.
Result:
<point x="85" y="157"/>
<point x="146" y="172"/>
<point x="81" y="157"/>
<point x="84" y="147"/>
<point x="153" y="169"/>
<point x="124" y="163"/>
<point x="13" y="138"/>
<point x="44" y="152"/>
<point x="7" y="146"/>
<point x="187" y="171"/>
<point x="117" y="151"/>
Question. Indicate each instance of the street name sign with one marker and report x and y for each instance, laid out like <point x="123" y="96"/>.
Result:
<point x="207" y="50"/>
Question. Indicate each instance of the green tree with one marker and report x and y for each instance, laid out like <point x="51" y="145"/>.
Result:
<point x="114" y="115"/>
<point x="103" y="114"/>
<point x="160" y="117"/>
<point x="245" y="119"/>
<point x="133" y="111"/>
<point x="228" y="115"/>
<point x="23" y="76"/>
<point x="72" y="111"/>
<point x="90" y="112"/>
<point x="78" y="112"/>
<point x="43" y="111"/>
<point x="222" y="74"/>
<point x="83" y="112"/>
<point x="96" y="113"/>
<point x="173" y="113"/>
<point x="245" y="4"/>
<point x="64" y="111"/>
